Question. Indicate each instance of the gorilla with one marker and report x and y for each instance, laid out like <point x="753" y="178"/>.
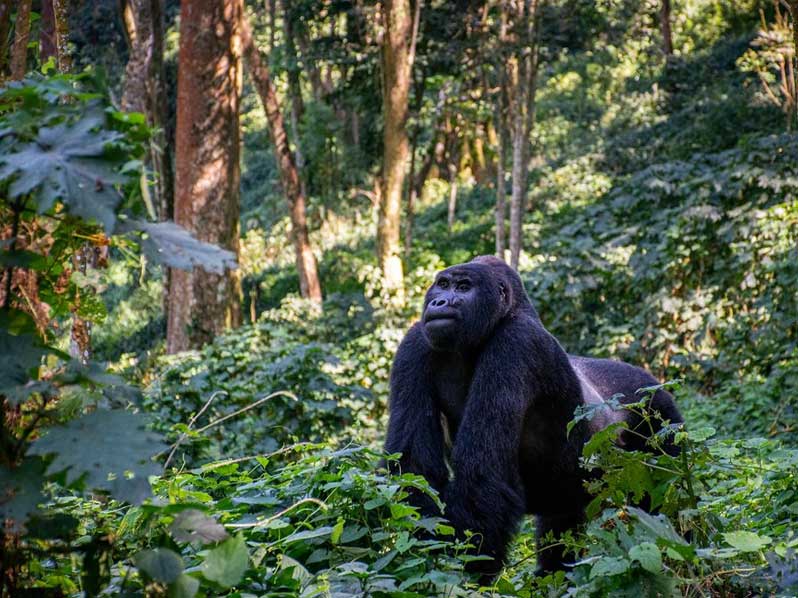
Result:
<point x="481" y="389"/>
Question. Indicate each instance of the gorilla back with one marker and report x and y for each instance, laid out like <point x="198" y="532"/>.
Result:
<point x="478" y="385"/>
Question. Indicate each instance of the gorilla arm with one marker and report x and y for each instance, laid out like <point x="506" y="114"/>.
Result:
<point x="414" y="428"/>
<point x="486" y="494"/>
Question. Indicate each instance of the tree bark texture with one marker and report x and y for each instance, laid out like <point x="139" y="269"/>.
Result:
<point x="665" y="26"/>
<point x="145" y="91"/>
<point x="309" y="284"/>
<point x="19" y="50"/>
<point x="5" y="29"/>
<point x="48" y="45"/>
<point x="396" y="69"/>
<point x="523" y="81"/>
<point x="201" y="304"/>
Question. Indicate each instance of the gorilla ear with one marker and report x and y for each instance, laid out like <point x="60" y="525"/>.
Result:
<point x="503" y="291"/>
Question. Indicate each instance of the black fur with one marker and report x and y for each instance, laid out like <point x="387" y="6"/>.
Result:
<point x="479" y="385"/>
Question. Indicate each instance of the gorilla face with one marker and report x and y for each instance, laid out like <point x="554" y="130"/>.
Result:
<point x="462" y="307"/>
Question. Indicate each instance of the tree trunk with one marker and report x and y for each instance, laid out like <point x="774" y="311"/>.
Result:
<point x="54" y="34"/>
<point x="294" y="85"/>
<point x="396" y="69"/>
<point x="145" y="91"/>
<point x="665" y="27"/>
<point x="523" y="80"/>
<point x="501" y="192"/>
<point x="201" y="304"/>
<point x="309" y="284"/>
<point x="5" y="29"/>
<point x="19" y="51"/>
<point x="452" y="207"/>
<point x="48" y="46"/>
<point x="793" y="8"/>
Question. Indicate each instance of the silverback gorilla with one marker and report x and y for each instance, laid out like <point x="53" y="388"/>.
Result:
<point x="479" y="384"/>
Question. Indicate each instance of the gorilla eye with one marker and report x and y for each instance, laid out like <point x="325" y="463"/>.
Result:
<point x="463" y="286"/>
<point x="443" y="283"/>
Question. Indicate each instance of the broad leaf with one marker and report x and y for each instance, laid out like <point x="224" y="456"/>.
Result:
<point x="648" y="555"/>
<point x="609" y="565"/>
<point x="195" y="526"/>
<point x="746" y="541"/>
<point x="102" y="443"/>
<point x="184" y="586"/>
<point x="18" y="356"/>
<point x="66" y="163"/>
<point x="160" y="564"/>
<point x="172" y="245"/>
<point x="227" y="563"/>
<point x="21" y="491"/>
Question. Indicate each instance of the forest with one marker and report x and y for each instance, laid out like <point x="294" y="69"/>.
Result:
<point x="219" y="219"/>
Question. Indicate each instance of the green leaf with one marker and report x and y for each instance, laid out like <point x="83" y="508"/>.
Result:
<point x="170" y="244"/>
<point x="102" y="443"/>
<point x="18" y="356"/>
<point x="648" y="555"/>
<point x="701" y="434"/>
<point x="184" y="586"/>
<point x="21" y="491"/>
<point x="227" y="563"/>
<point x="746" y="541"/>
<point x="66" y="162"/>
<point x="23" y="259"/>
<point x="160" y="564"/>
<point x="195" y="526"/>
<point x="337" y="530"/>
<point x="609" y="565"/>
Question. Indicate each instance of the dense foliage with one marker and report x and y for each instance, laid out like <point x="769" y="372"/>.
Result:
<point x="662" y="229"/>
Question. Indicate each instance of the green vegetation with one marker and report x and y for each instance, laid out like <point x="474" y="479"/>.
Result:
<point x="662" y="230"/>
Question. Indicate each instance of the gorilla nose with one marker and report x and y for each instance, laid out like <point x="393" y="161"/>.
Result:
<point x="437" y="303"/>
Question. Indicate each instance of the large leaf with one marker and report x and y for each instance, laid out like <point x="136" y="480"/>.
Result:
<point x="746" y="541"/>
<point x="102" y="443"/>
<point x="21" y="491"/>
<point x="227" y="563"/>
<point x="65" y="162"/>
<point x="160" y="564"/>
<point x="193" y="525"/>
<point x="18" y="356"/>
<point x="171" y="244"/>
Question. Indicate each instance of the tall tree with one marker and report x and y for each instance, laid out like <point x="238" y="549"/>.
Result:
<point x="665" y="27"/>
<point x="396" y="67"/>
<point x="145" y="90"/>
<point x="19" y="50"/>
<point x="207" y="173"/>
<point x="309" y="284"/>
<point x="523" y="83"/>
<point x="5" y="29"/>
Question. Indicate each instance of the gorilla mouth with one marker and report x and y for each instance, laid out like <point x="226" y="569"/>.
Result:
<point x="441" y="316"/>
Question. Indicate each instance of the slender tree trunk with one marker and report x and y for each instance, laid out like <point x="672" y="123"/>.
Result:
<point x="411" y="196"/>
<point x="19" y="51"/>
<point x="294" y="85"/>
<point x="48" y="46"/>
<point x="201" y="304"/>
<point x="523" y="78"/>
<point x="665" y="27"/>
<point x="396" y="68"/>
<point x="5" y="29"/>
<point x="145" y="91"/>
<point x="309" y="284"/>
<point x="501" y="192"/>
<point x="793" y="116"/>
<point x="452" y="207"/>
